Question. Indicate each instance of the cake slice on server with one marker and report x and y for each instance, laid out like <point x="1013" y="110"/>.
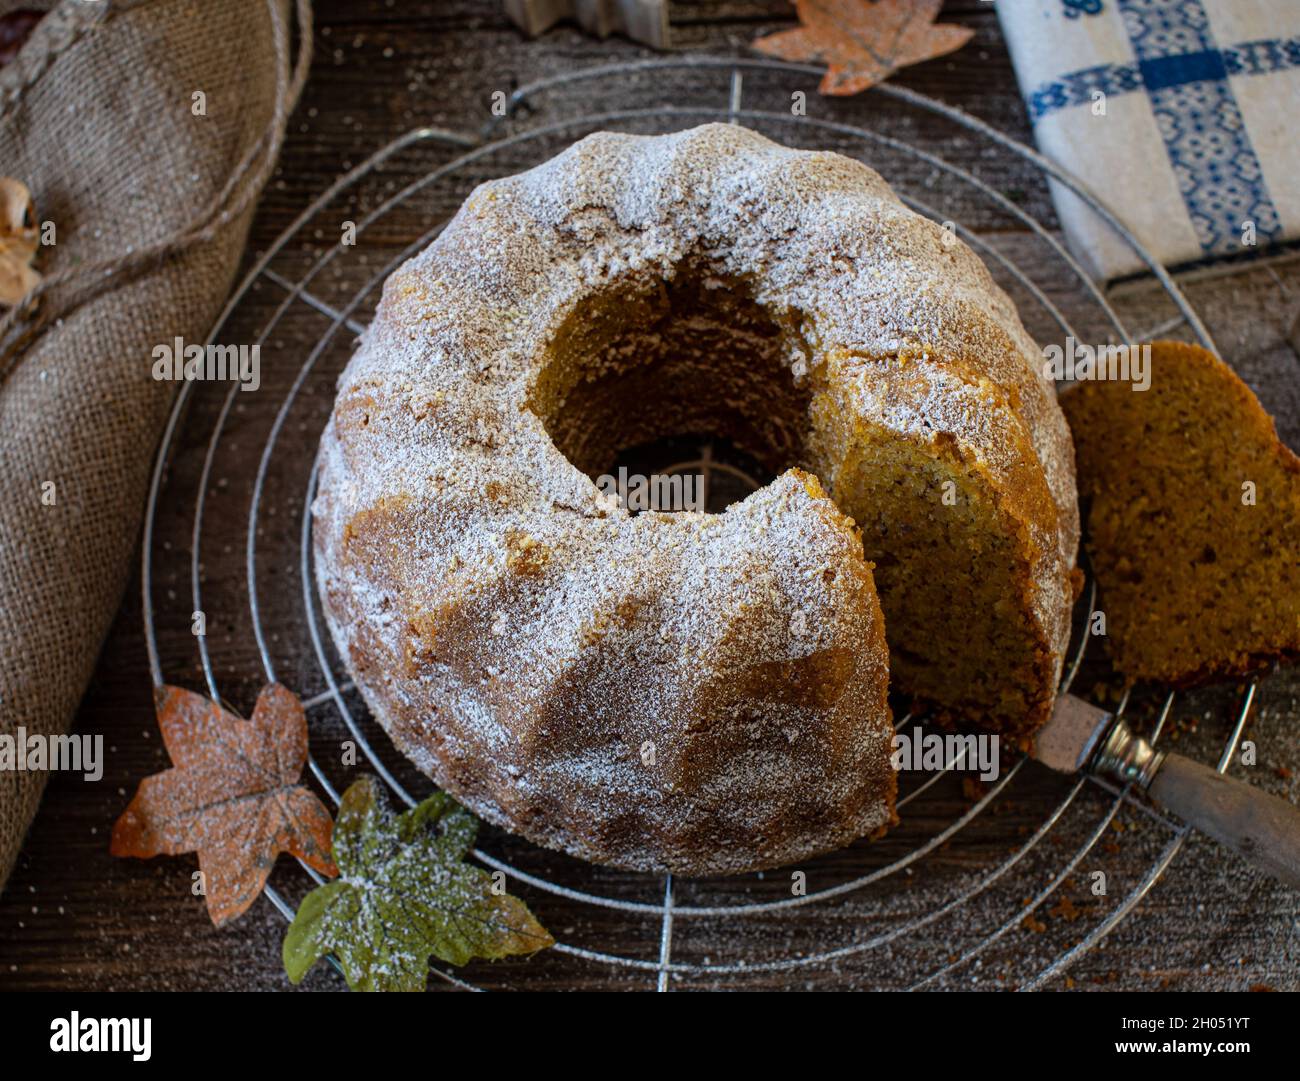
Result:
<point x="681" y="691"/>
<point x="1193" y="519"/>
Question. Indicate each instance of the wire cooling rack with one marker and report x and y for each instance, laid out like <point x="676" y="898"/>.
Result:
<point x="952" y="897"/>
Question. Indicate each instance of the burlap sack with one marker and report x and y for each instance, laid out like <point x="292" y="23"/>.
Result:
<point x="151" y="205"/>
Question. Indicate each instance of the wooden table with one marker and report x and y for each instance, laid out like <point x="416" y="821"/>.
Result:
<point x="73" y="917"/>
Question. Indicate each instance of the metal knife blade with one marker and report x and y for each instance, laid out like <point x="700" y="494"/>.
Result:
<point x="1070" y="738"/>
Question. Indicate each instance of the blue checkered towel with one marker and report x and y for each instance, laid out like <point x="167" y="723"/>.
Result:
<point x="1182" y="115"/>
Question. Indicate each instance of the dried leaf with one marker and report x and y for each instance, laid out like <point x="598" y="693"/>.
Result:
<point x="18" y="241"/>
<point x="404" y="893"/>
<point x="863" y="42"/>
<point x="17" y="278"/>
<point x="232" y="796"/>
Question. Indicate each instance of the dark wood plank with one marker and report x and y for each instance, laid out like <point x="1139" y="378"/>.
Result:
<point x="72" y="916"/>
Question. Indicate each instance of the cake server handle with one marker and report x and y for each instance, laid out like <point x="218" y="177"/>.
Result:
<point x="1263" y="828"/>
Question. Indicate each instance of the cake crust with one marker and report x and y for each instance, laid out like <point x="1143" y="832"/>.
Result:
<point x="685" y="692"/>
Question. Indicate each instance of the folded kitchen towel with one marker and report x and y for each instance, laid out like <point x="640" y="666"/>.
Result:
<point x="1179" y="114"/>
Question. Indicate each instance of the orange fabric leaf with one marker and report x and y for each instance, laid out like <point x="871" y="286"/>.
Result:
<point x="232" y="796"/>
<point x="863" y="42"/>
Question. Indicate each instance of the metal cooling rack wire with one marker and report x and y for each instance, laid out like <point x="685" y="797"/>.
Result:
<point x="665" y="910"/>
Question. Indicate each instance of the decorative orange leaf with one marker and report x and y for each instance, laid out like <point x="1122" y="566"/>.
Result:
<point x="863" y="42"/>
<point x="232" y="796"/>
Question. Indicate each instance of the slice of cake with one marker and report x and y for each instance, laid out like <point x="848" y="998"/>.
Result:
<point x="1192" y="519"/>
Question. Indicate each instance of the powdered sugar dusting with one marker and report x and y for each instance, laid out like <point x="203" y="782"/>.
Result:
<point x="633" y="689"/>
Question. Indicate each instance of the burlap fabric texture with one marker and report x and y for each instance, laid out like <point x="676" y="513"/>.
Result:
<point x="151" y="205"/>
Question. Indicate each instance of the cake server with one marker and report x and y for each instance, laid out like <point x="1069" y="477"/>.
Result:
<point x="1262" y="828"/>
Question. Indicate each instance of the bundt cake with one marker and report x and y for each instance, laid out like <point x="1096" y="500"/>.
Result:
<point x="691" y="692"/>
<point x="1193" y="519"/>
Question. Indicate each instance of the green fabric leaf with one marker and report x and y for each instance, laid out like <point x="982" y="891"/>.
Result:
<point x="405" y="893"/>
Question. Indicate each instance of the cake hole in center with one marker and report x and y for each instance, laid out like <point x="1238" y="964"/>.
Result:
<point x="688" y="378"/>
